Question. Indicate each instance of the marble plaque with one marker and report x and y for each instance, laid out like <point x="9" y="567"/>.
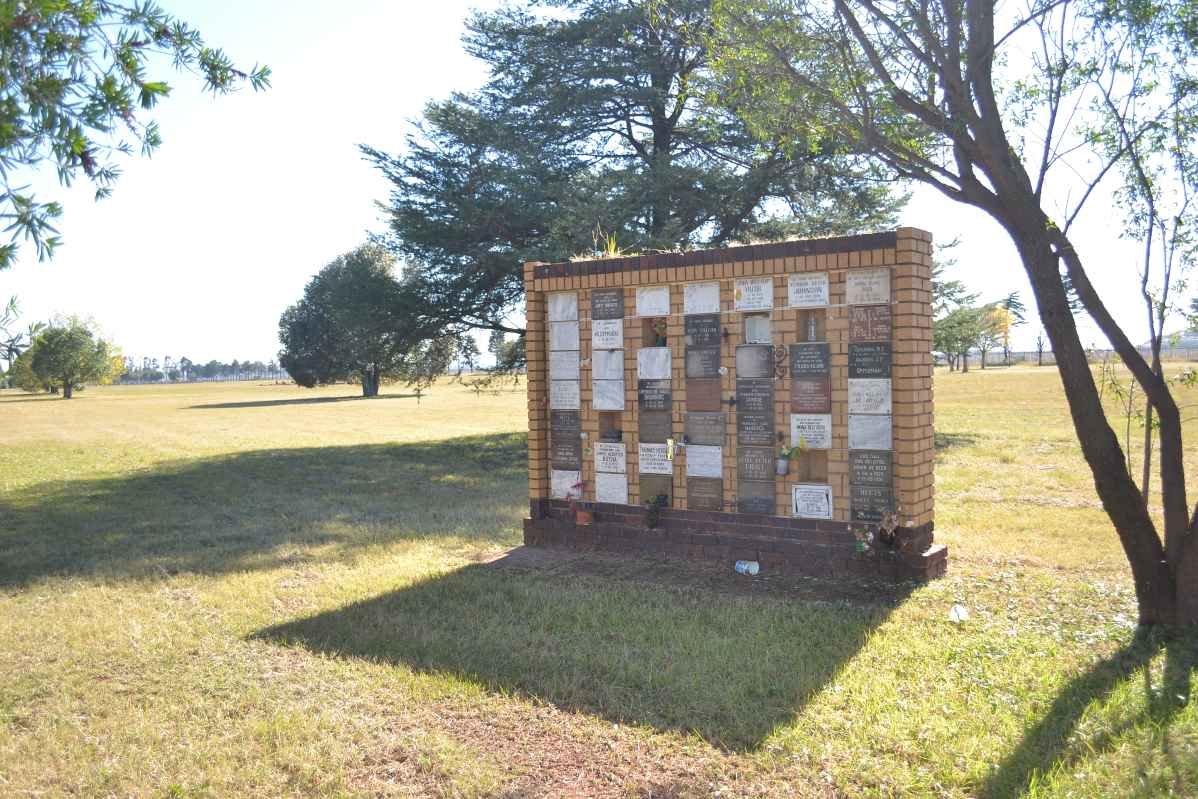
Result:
<point x="755" y="396"/>
<point x="607" y="395"/>
<point x="810" y="360"/>
<point x="655" y="426"/>
<point x="653" y="459"/>
<point x="653" y="395"/>
<point x="813" y="429"/>
<point x="703" y="330"/>
<point x="869" y="323"/>
<point x="757" y="329"/>
<point x="564" y="395"/>
<point x="563" y="484"/>
<point x="653" y="363"/>
<point x="869" y="432"/>
<point x="754" y="294"/>
<point x="607" y="334"/>
<point x="703" y="395"/>
<point x="868" y="503"/>
<point x="702" y="362"/>
<point x="869" y="360"/>
<point x="706" y="429"/>
<point x="867" y="286"/>
<point x="563" y="422"/>
<point x="704" y="493"/>
<point x="654" y="485"/>
<point x="563" y="365"/>
<point x="610" y="457"/>
<point x="811" y="501"/>
<point x="704" y="461"/>
<point x="755" y="360"/>
<point x="869" y="395"/>
<point x="755" y="498"/>
<point x="755" y="428"/>
<point x="611" y="488"/>
<point x="563" y="335"/>
<point x="755" y="463"/>
<point x="607" y="365"/>
<point x="868" y="468"/>
<point x="808" y="290"/>
<point x="607" y="304"/>
<point x="565" y="452"/>
<point x="811" y="394"/>
<point x="653" y="301"/>
<point x="563" y="307"/>
<point x="701" y="298"/>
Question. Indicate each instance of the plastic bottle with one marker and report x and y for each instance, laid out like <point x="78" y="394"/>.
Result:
<point x="749" y="567"/>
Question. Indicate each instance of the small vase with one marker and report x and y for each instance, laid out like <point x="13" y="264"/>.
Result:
<point x="782" y="467"/>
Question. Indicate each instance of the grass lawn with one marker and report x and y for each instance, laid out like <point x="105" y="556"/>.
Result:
<point x="245" y="590"/>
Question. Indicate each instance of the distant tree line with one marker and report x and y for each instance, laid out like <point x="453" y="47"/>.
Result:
<point x="184" y="370"/>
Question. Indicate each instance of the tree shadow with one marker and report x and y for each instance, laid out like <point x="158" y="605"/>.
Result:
<point x="257" y="509"/>
<point x="725" y="665"/>
<point x="942" y="441"/>
<point x="301" y="401"/>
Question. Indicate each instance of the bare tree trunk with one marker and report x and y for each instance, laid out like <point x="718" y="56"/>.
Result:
<point x="68" y="390"/>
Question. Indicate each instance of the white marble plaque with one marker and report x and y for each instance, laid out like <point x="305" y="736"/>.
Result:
<point x="704" y="461"/>
<point x="563" y="307"/>
<point x="757" y="329"/>
<point x="754" y="294"/>
<point x="610" y="456"/>
<point x="869" y="395"/>
<point x="811" y="501"/>
<point x="701" y="298"/>
<point x="563" y="365"/>
<point x="867" y="286"/>
<point x="607" y="395"/>
<point x="814" y="429"/>
<point x="653" y="459"/>
<point x="611" y="488"/>
<point x="607" y="334"/>
<point x="564" y="395"/>
<point x="869" y="432"/>
<point x="563" y="336"/>
<point x="653" y="301"/>
<point x="607" y="364"/>
<point x="808" y="290"/>
<point x="653" y="363"/>
<point x="564" y="485"/>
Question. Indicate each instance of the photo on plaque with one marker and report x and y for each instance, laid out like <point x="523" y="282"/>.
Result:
<point x="812" y="430"/>
<point x="607" y="304"/>
<point x="610" y="457"/>
<point x="652" y="459"/>
<point x="564" y="484"/>
<point x="653" y="363"/>
<point x="607" y="395"/>
<point x="706" y="429"/>
<point x="755" y="361"/>
<point x="869" y="359"/>
<point x="611" y="487"/>
<point x="754" y="294"/>
<point x="607" y="365"/>
<point x="563" y="365"/>
<point x="704" y="493"/>
<point x="653" y="395"/>
<point x="807" y="290"/>
<point x="701" y="298"/>
<point x="607" y="334"/>
<point x="869" y="395"/>
<point x="563" y="307"/>
<point x="702" y="461"/>
<point x="811" y="501"/>
<point x="653" y="301"/>
<point x="564" y="395"/>
<point x="563" y="335"/>
<point x="867" y="286"/>
<point x="869" y="432"/>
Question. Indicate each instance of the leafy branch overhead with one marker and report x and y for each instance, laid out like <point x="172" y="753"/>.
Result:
<point x="77" y="91"/>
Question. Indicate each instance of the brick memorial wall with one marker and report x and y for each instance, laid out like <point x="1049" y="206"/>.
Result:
<point x="675" y="379"/>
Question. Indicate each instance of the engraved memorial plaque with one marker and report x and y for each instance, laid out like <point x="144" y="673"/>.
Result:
<point x="702" y="362"/>
<point x="811" y="501"/>
<point x="607" y="395"/>
<point x="703" y="330"/>
<point x="814" y="430"/>
<point x="706" y="429"/>
<point x="610" y="457"/>
<point x="564" y="395"/>
<point x="810" y="360"/>
<point x="565" y="452"/>
<point x="653" y="395"/>
<point x="754" y="294"/>
<point x="653" y="363"/>
<point x="704" y="461"/>
<point x="755" y="463"/>
<point x="867" y="286"/>
<point x="565" y="422"/>
<point x="755" y="396"/>
<point x="755" y="498"/>
<point x="869" y="468"/>
<point x="655" y="426"/>
<point x="754" y="428"/>
<point x="869" y="323"/>
<point x="563" y="365"/>
<point x="704" y="493"/>
<point x="607" y="365"/>
<point x="869" y="395"/>
<point x="868" y="503"/>
<point x="563" y="335"/>
<point x="655" y="485"/>
<point x="653" y="301"/>
<point x="653" y="460"/>
<point x="607" y="334"/>
<point x="563" y="484"/>
<point x="869" y="432"/>
<point x="607" y="304"/>
<point x="755" y="360"/>
<point x="869" y="360"/>
<point x="701" y="298"/>
<point x="808" y="290"/>
<point x="611" y="488"/>
<point x="703" y="395"/>
<point x="563" y="307"/>
<point x="757" y="329"/>
<point x="811" y="395"/>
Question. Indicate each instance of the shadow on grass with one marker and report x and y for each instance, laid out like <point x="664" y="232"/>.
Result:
<point x="300" y="401"/>
<point x="944" y="441"/>
<point x="727" y="666"/>
<point x="257" y="509"/>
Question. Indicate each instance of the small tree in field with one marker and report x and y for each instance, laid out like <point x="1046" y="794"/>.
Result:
<point x="70" y="354"/>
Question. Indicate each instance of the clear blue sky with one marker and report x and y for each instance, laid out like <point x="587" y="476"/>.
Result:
<point x="202" y="247"/>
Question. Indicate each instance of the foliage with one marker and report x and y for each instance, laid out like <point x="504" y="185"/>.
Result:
<point x="69" y="353"/>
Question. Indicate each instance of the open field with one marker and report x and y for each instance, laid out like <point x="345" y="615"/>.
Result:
<point x="241" y="590"/>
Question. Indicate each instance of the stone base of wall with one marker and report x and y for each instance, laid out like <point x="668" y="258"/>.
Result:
<point x="780" y="545"/>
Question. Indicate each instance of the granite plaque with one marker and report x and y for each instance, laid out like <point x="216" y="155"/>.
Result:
<point x="563" y="335"/>
<point x="869" y="432"/>
<point x="867" y="468"/>
<point x="607" y="395"/>
<point x="869" y="323"/>
<point x="755" y="463"/>
<point x="755" y="360"/>
<point x="808" y="290"/>
<point x="868" y="503"/>
<point x="704" y="461"/>
<point x="657" y="485"/>
<point x="653" y="363"/>
<point x="611" y="488"/>
<point x="755" y="428"/>
<point x="563" y="365"/>
<point x="564" y="395"/>
<point x="701" y="298"/>
<point x="563" y="484"/>
<point x="703" y="330"/>
<point x="653" y="301"/>
<point x="811" y="501"/>
<point x="754" y="294"/>
<point x="704" y="493"/>
<point x="869" y="395"/>
<point x="755" y="498"/>
<point x="702" y="362"/>
<point x="653" y="460"/>
<point x="810" y="360"/>
<point x="565" y="452"/>
<point x="607" y="365"/>
<point x="563" y="422"/>
<point x="610" y="457"/>
<point x="607" y="304"/>
<point x="703" y="395"/>
<point x="755" y="396"/>
<point x="867" y="286"/>
<point x="563" y="307"/>
<point x="811" y="395"/>
<point x="813" y="430"/>
<point x="655" y="426"/>
<point x="869" y="360"/>
<point x="653" y="395"/>
<point x="607" y="334"/>
<point x="706" y="429"/>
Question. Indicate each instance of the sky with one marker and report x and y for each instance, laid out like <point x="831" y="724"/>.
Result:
<point x="202" y="246"/>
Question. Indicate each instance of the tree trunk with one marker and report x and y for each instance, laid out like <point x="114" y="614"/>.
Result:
<point x="67" y="390"/>
<point x="370" y="381"/>
<point x="964" y="362"/>
<point x="983" y="359"/>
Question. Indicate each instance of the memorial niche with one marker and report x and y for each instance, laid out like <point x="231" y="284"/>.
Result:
<point x="705" y="429"/>
<point x="653" y="395"/>
<point x="869" y="360"/>
<point x="755" y="498"/>
<point x="704" y="493"/>
<point x="607" y="303"/>
<point x="702" y="362"/>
